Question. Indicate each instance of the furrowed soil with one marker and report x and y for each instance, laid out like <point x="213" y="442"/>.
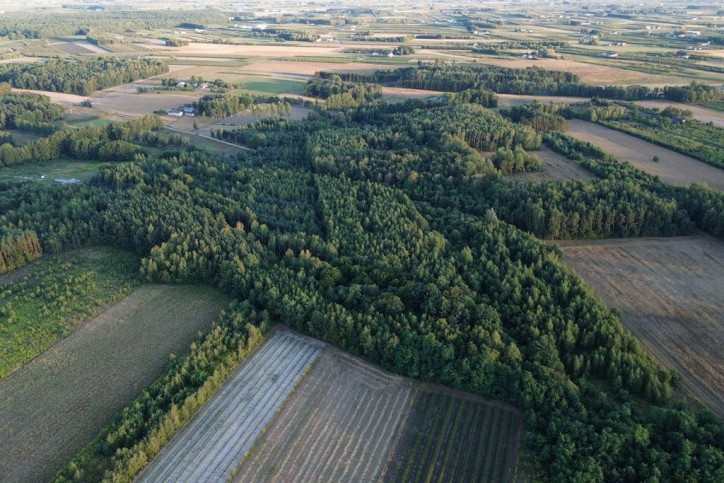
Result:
<point x="669" y="293"/>
<point x="340" y="425"/>
<point x="210" y="446"/>
<point x="672" y="167"/>
<point x="55" y="405"/>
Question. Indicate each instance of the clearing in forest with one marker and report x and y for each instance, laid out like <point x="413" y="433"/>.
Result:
<point x="453" y="436"/>
<point x="554" y="166"/>
<point x="669" y="293"/>
<point x="210" y="446"/>
<point x="339" y="425"/>
<point x="55" y="405"/>
<point x="672" y="167"/>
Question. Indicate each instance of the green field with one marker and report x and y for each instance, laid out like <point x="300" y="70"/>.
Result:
<point x="55" y="405"/>
<point x="272" y="86"/>
<point x="63" y="169"/>
<point x="451" y="438"/>
<point x="46" y="300"/>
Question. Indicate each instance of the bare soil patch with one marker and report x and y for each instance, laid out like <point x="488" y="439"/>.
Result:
<point x="55" y="405"/>
<point x="669" y="293"/>
<point x="339" y="425"/>
<point x="672" y="167"/>
<point x="309" y="68"/>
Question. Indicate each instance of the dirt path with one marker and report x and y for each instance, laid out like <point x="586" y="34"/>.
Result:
<point x="55" y="405"/>
<point x="672" y="167"/>
<point x="669" y="293"/>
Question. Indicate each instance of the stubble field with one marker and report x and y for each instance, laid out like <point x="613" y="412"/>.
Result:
<point x="209" y="447"/>
<point x="669" y="293"/>
<point x="339" y="425"/>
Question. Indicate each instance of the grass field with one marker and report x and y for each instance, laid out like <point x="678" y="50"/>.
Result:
<point x="51" y="408"/>
<point x="339" y="425"/>
<point x="44" y="301"/>
<point x="59" y="169"/>
<point x="213" y="442"/>
<point x="669" y="293"/>
<point x="451" y="437"/>
<point x="555" y="166"/>
<point x="672" y="167"/>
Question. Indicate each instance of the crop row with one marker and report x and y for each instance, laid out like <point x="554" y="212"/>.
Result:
<point x="217" y="438"/>
<point x="448" y="438"/>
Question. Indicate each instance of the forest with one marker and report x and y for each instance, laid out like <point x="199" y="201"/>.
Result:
<point x="382" y="229"/>
<point x="45" y="25"/>
<point x="81" y="77"/>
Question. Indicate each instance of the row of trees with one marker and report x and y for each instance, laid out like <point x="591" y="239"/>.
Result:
<point x="529" y="81"/>
<point x="81" y="77"/>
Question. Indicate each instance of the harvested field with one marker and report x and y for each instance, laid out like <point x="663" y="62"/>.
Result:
<point x="286" y="50"/>
<point x="456" y="437"/>
<point x="211" y="445"/>
<point x="669" y="292"/>
<point x="55" y="405"/>
<point x="672" y="167"/>
<point x="57" y="97"/>
<point x="308" y="68"/>
<point x="555" y="166"/>
<point x="141" y="104"/>
<point x="339" y="425"/>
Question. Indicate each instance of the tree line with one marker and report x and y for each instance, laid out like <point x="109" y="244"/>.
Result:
<point x="529" y="81"/>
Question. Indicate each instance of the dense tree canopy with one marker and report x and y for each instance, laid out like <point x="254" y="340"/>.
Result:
<point x="384" y="230"/>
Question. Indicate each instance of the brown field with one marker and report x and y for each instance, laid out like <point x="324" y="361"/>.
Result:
<point x="286" y="50"/>
<point x="57" y="97"/>
<point x="701" y="113"/>
<point x="589" y="73"/>
<point x="555" y="166"/>
<point x="669" y="293"/>
<point x="309" y="68"/>
<point x="672" y="167"/>
<point x="55" y="405"/>
<point x="134" y="104"/>
<point x="339" y="425"/>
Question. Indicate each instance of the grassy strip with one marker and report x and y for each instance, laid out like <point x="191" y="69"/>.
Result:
<point x="126" y="446"/>
<point x="46" y="301"/>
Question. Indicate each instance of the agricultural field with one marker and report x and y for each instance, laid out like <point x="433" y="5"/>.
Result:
<point x="210" y="446"/>
<point x="339" y="425"/>
<point x="44" y="301"/>
<point x="672" y="167"/>
<point x="669" y="293"/>
<point x="51" y="408"/>
<point x="456" y="437"/>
